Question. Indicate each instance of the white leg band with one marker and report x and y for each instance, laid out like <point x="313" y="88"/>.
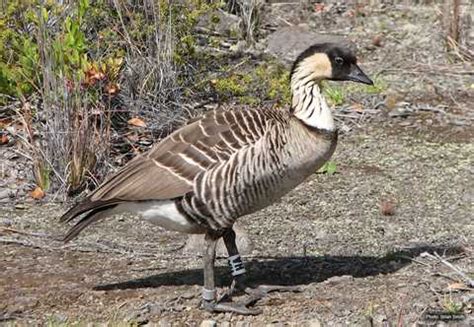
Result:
<point x="236" y="266"/>
<point x="208" y="295"/>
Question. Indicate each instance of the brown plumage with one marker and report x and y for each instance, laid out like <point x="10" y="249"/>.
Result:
<point x="228" y="163"/>
<point x="169" y="170"/>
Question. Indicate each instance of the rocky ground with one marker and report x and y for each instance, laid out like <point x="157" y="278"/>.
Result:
<point x="386" y="241"/>
<point x="360" y="243"/>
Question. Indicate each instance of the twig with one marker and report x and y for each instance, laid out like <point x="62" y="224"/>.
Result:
<point x="432" y="72"/>
<point x="468" y="281"/>
<point x="414" y="260"/>
<point x="432" y="109"/>
<point x="7" y="240"/>
<point x="16" y="231"/>
<point x="446" y="276"/>
<point x="102" y="249"/>
<point x="21" y="154"/>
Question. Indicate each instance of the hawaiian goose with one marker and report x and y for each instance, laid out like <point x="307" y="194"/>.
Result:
<point x="227" y="164"/>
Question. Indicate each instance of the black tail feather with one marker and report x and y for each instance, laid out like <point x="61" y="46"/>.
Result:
<point x="82" y="207"/>
<point x="88" y="219"/>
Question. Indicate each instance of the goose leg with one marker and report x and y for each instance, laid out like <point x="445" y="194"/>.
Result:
<point x="209" y="290"/>
<point x="235" y="263"/>
<point x="239" y="283"/>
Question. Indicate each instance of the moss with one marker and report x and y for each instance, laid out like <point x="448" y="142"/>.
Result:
<point x="278" y="87"/>
<point x="230" y="86"/>
<point x="215" y="19"/>
<point x="234" y="33"/>
<point x="268" y="81"/>
<point x="249" y="100"/>
<point x="335" y="95"/>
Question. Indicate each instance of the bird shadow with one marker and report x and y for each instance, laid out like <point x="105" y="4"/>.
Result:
<point x="296" y="270"/>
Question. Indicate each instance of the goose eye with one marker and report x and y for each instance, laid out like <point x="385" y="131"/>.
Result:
<point x="339" y="61"/>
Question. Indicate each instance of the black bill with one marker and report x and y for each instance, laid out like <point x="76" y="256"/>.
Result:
<point x="357" y="75"/>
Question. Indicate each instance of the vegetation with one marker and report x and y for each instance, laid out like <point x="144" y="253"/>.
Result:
<point x="269" y="81"/>
<point x="81" y="70"/>
<point x="74" y="66"/>
<point x="451" y="306"/>
<point x="337" y="94"/>
<point x="329" y="168"/>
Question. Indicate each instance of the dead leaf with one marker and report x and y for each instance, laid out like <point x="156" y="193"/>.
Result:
<point x="4" y="139"/>
<point x="319" y="7"/>
<point x="135" y="121"/>
<point x="387" y="207"/>
<point x="69" y="85"/>
<point x="37" y="193"/>
<point x="377" y="40"/>
<point x="112" y="88"/>
<point x="391" y="101"/>
<point x="5" y="122"/>
<point x="357" y="107"/>
<point x="93" y="75"/>
<point x="457" y="286"/>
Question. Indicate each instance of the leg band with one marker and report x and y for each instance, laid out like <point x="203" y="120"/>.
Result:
<point x="208" y="295"/>
<point x="236" y="265"/>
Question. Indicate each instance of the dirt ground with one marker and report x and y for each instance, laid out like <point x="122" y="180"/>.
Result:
<point x="355" y="265"/>
<point x="365" y="244"/>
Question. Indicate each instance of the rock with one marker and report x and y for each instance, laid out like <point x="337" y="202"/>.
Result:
<point x="195" y="243"/>
<point x="142" y="315"/>
<point x="220" y="22"/>
<point x="339" y="279"/>
<point x="164" y="323"/>
<point x="208" y="323"/>
<point x="188" y="295"/>
<point x="59" y="318"/>
<point x="315" y="322"/>
<point x="4" y="194"/>
<point x="288" y="42"/>
<point x="242" y="324"/>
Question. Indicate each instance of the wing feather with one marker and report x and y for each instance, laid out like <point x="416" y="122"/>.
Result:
<point x="167" y="170"/>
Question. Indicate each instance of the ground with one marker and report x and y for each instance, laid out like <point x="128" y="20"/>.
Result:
<point x="365" y="244"/>
<point x="355" y="264"/>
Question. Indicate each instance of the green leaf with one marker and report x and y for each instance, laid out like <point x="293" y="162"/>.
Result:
<point x="45" y="14"/>
<point x="329" y="168"/>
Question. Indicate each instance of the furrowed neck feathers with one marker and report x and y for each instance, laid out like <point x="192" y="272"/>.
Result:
<point x="309" y="105"/>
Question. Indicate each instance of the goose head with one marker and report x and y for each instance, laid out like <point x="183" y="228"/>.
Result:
<point x="327" y="61"/>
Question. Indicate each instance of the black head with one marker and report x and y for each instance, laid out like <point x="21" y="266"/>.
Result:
<point x="329" y="61"/>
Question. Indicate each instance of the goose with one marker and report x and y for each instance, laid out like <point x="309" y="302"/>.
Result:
<point x="227" y="164"/>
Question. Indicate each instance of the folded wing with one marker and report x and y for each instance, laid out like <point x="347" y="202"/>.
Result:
<point x="168" y="170"/>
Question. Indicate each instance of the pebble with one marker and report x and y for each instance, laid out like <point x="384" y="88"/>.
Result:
<point x="242" y="324"/>
<point x="59" y="318"/>
<point x="188" y="295"/>
<point x="339" y="279"/>
<point x="4" y="194"/>
<point x="208" y="323"/>
<point x="164" y="323"/>
<point x="315" y="322"/>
